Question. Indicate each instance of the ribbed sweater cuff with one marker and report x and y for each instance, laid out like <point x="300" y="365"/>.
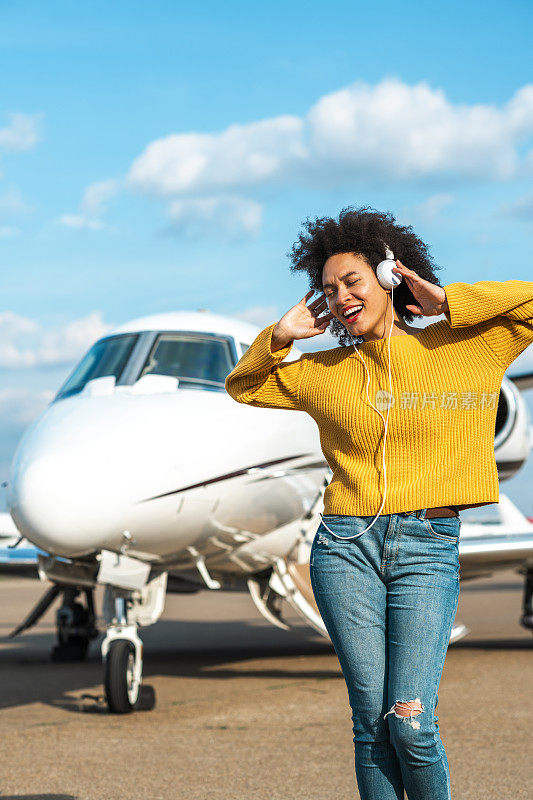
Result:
<point x="265" y="340"/>
<point x="459" y="312"/>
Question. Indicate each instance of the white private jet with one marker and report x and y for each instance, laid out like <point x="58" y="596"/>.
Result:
<point x="17" y="555"/>
<point x="144" y="476"/>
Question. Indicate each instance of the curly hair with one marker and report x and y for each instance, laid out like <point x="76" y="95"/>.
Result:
<point x="362" y="231"/>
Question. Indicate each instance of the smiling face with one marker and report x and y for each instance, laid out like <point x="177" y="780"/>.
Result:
<point x="349" y="281"/>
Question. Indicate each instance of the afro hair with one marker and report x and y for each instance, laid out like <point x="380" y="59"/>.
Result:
<point x="362" y="231"/>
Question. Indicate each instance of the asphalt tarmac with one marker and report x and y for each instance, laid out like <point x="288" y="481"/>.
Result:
<point x="249" y="712"/>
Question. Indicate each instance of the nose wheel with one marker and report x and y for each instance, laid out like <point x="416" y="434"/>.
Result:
<point x="122" y="677"/>
<point x="122" y="651"/>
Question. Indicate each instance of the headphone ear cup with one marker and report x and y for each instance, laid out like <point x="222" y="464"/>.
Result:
<point x="386" y="277"/>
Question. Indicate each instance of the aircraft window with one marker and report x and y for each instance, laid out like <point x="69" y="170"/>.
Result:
<point x="244" y="347"/>
<point x="198" y="360"/>
<point x="106" y="357"/>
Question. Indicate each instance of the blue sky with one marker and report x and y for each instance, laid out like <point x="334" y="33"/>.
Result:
<point x="157" y="157"/>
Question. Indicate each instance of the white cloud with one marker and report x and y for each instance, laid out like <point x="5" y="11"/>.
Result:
<point x="21" y="133"/>
<point x="15" y="325"/>
<point x="11" y="202"/>
<point x="96" y="195"/>
<point x="522" y="208"/>
<point x="24" y="343"/>
<point x="81" y="222"/>
<point x="259" y="315"/>
<point x="205" y="216"/>
<point x="21" y="406"/>
<point x="93" y="206"/>
<point x="241" y="155"/>
<point x="401" y="132"/>
<point x="391" y="131"/>
<point x="6" y="231"/>
<point x="431" y="208"/>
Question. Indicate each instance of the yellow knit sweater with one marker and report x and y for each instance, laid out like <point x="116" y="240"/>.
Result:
<point x="446" y="379"/>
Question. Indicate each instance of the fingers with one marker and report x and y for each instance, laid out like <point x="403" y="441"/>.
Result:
<point x="319" y="309"/>
<point x="319" y="301"/>
<point x="322" y="324"/>
<point x="318" y="306"/>
<point x="401" y="269"/>
<point x="325" y="320"/>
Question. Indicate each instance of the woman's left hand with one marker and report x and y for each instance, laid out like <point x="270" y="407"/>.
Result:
<point x="431" y="299"/>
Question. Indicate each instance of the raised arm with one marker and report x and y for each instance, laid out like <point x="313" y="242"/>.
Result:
<point x="259" y="379"/>
<point x="501" y="310"/>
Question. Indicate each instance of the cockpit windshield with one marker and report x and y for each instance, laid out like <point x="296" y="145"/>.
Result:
<point x="197" y="361"/>
<point x="106" y="357"/>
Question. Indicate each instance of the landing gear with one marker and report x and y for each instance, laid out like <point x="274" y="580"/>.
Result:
<point x="526" y="620"/>
<point x="75" y="625"/>
<point x="122" y="649"/>
<point x="122" y="677"/>
<point x="123" y="689"/>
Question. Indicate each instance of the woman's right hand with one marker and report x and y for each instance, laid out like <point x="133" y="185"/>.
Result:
<point x="301" y="321"/>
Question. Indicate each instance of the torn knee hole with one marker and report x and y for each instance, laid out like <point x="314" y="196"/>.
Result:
<point x="410" y="709"/>
<point x="407" y="709"/>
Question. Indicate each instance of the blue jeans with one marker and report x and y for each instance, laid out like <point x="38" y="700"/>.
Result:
<point x="388" y="600"/>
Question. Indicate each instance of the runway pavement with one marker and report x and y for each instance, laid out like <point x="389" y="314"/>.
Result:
<point x="249" y="712"/>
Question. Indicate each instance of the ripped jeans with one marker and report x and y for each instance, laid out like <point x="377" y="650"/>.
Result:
<point x="388" y="600"/>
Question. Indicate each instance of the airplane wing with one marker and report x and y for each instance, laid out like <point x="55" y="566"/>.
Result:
<point x="483" y="555"/>
<point x="494" y="537"/>
<point x="17" y="555"/>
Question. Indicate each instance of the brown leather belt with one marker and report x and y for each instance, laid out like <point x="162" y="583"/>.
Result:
<point x="441" y="511"/>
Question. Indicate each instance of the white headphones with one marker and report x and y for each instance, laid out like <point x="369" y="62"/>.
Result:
<point x="388" y="280"/>
<point x="386" y="277"/>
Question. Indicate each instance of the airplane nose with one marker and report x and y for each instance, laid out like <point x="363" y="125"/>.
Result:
<point x="82" y="468"/>
<point x="62" y="503"/>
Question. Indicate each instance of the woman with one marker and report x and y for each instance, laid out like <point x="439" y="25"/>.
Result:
<point x="384" y="561"/>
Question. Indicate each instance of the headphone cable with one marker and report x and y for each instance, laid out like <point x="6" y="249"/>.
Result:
<point x="386" y="422"/>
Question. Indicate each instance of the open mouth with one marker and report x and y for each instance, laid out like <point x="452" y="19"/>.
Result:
<point x="352" y="313"/>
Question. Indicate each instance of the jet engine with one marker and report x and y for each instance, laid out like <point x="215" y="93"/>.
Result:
<point x="512" y="433"/>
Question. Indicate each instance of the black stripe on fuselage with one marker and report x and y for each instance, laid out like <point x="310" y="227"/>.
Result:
<point x="225" y="477"/>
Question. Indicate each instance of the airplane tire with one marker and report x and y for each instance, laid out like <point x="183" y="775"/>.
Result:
<point x="146" y="699"/>
<point x="118" y="675"/>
